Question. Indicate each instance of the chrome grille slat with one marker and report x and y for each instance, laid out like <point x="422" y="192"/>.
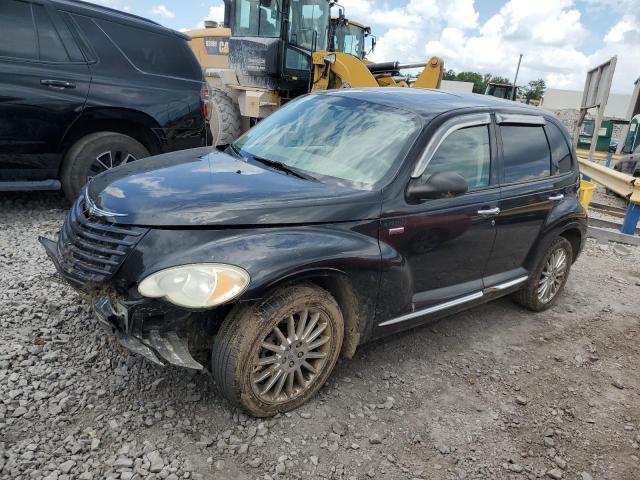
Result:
<point x="92" y="249"/>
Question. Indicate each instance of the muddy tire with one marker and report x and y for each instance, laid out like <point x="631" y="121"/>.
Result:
<point x="94" y="154"/>
<point x="549" y="277"/>
<point x="273" y="356"/>
<point x="225" y="120"/>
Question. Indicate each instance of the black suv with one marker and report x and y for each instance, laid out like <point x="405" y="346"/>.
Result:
<point x="342" y="217"/>
<point x="84" y="88"/>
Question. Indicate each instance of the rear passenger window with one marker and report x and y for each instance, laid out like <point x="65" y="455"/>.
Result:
<point x="154" y="52"/>
<point x="560" y="153"/>
<point x="466" y="152"/>
<point x="526" y="153"/>
<point x="18" y="31"/>
<point x="51" y="47"/>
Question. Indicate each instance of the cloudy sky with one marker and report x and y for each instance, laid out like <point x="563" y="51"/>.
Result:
<point x="560" y="39"/>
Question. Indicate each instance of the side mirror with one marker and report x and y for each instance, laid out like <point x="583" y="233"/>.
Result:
<point x="438" y="185"/>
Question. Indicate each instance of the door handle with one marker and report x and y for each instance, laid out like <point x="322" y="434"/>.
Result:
<point x="489" y="212"/>
<point x="59" y="84"/>
<point x="557" y="197"/>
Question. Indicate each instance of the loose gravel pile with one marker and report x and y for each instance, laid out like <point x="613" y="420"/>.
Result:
<point x="496" y="392"/>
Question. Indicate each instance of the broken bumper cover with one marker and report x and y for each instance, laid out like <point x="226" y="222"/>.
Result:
<point x="160" y="347"/>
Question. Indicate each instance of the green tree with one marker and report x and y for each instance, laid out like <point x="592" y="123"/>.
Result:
<point x="499" y="79"/>
<point x="534" y="90"/>
<point x="449" y="75"/>
<point x="477" y="79"/>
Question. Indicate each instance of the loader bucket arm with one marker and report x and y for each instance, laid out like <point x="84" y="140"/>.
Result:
<point x="340" y="70"/>
<point x="431" y="76"/>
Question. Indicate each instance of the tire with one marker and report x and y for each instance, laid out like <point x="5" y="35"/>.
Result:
<point x="225" y="120"/>
<point x="529" y="296"/>
<point x="89" y="157"/>
<point x="238" y="347"/>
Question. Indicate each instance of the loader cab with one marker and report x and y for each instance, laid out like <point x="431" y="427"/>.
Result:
<point x="273" y="41"/>
<point x="350" y="37"/>
<point x="501" y="90"/>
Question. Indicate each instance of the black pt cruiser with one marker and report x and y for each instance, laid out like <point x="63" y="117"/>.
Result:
<point x="343" y="217"/>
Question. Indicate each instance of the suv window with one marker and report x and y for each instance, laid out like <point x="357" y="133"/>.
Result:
<point x="51" y="47"/>
<point x="22" y="39"/>
<point x="466" y="152"/>
<point x="560" y="153"/>
<point x="18" y="33"/>
<point x="154" y="52"/>
<point x="526" y="153"/>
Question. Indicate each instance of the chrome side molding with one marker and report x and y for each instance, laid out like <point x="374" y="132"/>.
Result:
<point x="505" y="285"/>
<point x="457" y="301"/>
<point x="433" y="309"/>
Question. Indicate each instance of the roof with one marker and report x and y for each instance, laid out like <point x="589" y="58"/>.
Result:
<point x="429" y="103"/>
<point x="216" y="32"/>
<point x="91" y="9"/>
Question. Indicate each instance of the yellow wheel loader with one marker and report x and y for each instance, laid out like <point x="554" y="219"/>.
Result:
<point x="279" y="50"/>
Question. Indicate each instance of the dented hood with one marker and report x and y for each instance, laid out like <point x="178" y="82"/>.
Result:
<point x="205" y="187"/>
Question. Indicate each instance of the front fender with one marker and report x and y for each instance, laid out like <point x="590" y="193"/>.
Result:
<point x="270" y="255"/>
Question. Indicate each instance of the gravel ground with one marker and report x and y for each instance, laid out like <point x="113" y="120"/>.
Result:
<point x="496" y="392"/>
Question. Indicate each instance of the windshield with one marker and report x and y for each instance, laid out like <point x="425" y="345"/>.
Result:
<point x="334" y="136"/>
<point x="257" y="18"/>
<point x="305" y="18"/>
<point x="349" y="39"/>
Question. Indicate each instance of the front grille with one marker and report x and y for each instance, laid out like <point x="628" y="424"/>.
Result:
<point x="91" y="249"/>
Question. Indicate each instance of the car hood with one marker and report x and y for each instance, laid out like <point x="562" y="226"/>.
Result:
<point x="205" y="187"/>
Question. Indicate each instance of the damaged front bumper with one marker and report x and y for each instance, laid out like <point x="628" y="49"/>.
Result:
<point x="141" y="326"/>
<point x="161" y="347"/>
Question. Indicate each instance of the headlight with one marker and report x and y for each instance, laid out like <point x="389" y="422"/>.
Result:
<point x="199" y="285"/>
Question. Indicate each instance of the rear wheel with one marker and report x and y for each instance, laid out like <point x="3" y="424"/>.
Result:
<point x="548" y="279"/>
<point x="94" y="154"/>
<point x="274" y="356"/>
<point x="225" y="120"/>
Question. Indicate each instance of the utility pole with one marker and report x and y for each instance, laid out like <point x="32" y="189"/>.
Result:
<point x="513" y="96"/>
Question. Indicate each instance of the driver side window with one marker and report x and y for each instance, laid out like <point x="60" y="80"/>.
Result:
<point x="466" y="151"/>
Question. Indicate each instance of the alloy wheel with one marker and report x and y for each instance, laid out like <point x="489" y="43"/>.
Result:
<point x="553" y="275"/>
<point x="108" y="160"/>
<point x="291" y="356"/>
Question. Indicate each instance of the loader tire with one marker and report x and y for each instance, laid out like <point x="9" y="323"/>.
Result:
<point x="225" y="120"/>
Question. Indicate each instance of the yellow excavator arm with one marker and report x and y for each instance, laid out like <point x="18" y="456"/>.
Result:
<point x="341" y="70"/>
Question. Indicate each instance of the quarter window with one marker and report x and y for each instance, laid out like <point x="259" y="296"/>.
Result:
<point x="18" y="31"/>
<point x="526" y="153"/>
<point x="154" y="52"/>
<point x="560" y="153"/>
<point x="467" y="152"/>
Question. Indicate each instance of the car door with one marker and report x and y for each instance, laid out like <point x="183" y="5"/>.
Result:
<point x="437" y="249"/>
<point x="44" y="82"/>
<point x="531" y="187"/>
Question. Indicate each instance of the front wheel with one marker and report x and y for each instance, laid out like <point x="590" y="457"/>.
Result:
<point x="274" y="356"/>
<point x="548" y="278"/>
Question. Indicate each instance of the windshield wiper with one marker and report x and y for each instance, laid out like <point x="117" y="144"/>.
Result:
<point x="283" y="167"/>
<point x="234" y="150"/>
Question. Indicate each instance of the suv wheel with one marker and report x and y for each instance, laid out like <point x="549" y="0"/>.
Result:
<point x="274" y="356"/>
<point x="225" y="120"/>
<point x="549" y="277"/>
<point x="94" y="154"/>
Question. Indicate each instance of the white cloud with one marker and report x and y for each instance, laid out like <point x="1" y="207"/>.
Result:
<point x="622" y="40"/>
<point x="549" y="33"/>
<point x="216" y="13"/>
<point x="161" y="11"/>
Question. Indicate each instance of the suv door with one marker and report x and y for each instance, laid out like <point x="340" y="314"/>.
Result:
<point x="531" y="187"/>
<point x="442" y="244"/>
<point x="44" y="83"/>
